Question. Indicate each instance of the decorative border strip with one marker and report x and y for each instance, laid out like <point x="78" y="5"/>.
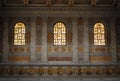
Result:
<point x="58" y="71"/>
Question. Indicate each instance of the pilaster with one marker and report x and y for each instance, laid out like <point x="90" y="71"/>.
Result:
<point x="113" y="40"/>
<point x="44" y="39"/>
<point x="86" y="40"/>
<point x="33" y="39"/>
<point x="75" y="42"/>
<point x="5" y="41"/>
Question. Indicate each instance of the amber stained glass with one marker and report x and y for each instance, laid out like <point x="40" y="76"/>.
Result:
<point x="19" y="34"/>
<point x="99" y="34"/>
<point x="59" y="34"/>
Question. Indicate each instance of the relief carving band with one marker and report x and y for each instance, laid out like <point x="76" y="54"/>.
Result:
<point x="59" y="71"/>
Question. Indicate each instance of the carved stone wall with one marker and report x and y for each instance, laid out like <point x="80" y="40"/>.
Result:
<point x="40" y="60"/>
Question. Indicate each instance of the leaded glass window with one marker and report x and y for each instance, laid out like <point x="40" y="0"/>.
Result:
<point x="59" y="34"/>
<point x="19" y="34"/>
<point x="99" y="34"/>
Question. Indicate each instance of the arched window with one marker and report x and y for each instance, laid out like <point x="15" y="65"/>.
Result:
<point x="19" y="34"/>
<point x="99" y="34"/>
<point x="59" y="34"/>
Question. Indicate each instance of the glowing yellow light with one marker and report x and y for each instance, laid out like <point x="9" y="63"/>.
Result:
<point x="99" y="36"/>
<point x="59" y="34"/>
<point x="19" y="34"/>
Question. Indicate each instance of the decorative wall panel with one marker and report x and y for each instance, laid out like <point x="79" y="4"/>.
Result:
<point x="100" y="59"/>
<point x="19" y="58"/>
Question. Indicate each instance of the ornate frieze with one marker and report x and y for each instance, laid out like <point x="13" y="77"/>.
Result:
<point x="39" y="71"/>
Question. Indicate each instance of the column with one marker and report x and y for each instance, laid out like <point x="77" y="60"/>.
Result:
<point x="75" y="39"/>
<point x="113" y="40"/>
<point x="44" y="39"/>
<point x="86" y="40"/>
<point x="33" y="39"/>
<point x="5" y="41"/>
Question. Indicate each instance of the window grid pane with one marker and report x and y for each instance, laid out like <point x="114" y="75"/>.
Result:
<point x="19" y="34"/>
<point x="99" y="36"/>
<point x="59" y="34"/>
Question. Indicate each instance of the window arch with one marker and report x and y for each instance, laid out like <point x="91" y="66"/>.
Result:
<point x="99" y="34"/>
<point x="19" y="34"/>
<point x="59" y="34"/>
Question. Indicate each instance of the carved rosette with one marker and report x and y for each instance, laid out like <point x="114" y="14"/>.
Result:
<point x="88" y="71"/>
<point x="69" y="71"/>
<point x="3" y="70"/>
<point x="98" y="70"/>
<point x="11" y="70"/>
<point x="117" y="71"/>
<point x="40" y="71"/>
<point x="31" y="71"/>
<point x="107" y="71"/>
<point x="50" y="71"/>
<point x="60" y="71"/>
<point x="21" y="71"/>
<point x="78" y="71"/>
